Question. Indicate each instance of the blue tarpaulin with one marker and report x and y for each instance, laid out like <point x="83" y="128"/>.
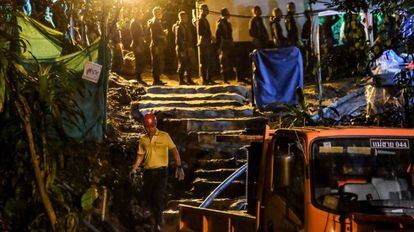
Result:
<point x="276" y="75"/>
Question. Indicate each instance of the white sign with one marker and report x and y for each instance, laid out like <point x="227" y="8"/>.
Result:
<point x="327" y="144"/>
<point x="91" y="71"/>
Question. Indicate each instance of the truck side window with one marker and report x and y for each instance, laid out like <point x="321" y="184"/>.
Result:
<point x="294" y="193"/>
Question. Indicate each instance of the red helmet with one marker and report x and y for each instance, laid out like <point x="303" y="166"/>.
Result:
<point x="150" y="120"/>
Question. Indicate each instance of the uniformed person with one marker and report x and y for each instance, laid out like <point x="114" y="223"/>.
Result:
<point x="183" y="47"/>
<point x="224" y="39"/>
<point x="138" y="43"/>
<point x="276" y="30"/>
<point x="118" y="58"/>
<point x="153" y="151"/>
<point x="157" y="46"/>
<point x="257" y="29"/>
<point x="291" y="27"/>
<point x="205" y="44"/>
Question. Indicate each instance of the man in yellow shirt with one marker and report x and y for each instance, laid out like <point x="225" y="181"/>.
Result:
<point x="153" y="154"/>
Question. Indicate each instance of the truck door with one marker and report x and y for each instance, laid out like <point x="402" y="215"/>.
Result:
<point x="284" y="197"/>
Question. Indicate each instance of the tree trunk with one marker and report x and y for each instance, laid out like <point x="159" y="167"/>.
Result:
<point x="24" y="113"/>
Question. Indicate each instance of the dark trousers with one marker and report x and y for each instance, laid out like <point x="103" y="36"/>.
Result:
<point x="155" y="187"/>
<point x="139" y="63"/>
<point x="158" y="61"/>
<point x="206" y="68"/>
<point x="183" y="64"/>
<point x="226" y="63"/>
<point x="118" y="59"/>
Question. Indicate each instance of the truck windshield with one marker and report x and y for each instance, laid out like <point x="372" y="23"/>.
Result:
<point x="367" y="175"/>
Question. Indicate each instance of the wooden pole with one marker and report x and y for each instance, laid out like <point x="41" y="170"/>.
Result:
<point x="197" y="14"/>
<point x="104" y="200"/>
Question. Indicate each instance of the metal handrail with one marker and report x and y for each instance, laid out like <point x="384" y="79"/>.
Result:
<point x="223" y="186"/>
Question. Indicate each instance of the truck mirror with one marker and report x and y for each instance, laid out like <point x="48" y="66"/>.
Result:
<point x="286" y="161"/>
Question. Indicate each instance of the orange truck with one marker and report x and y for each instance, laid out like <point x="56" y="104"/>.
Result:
<point x="322" y="179"/>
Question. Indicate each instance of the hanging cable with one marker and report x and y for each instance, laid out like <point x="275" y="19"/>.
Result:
<point x="296" y="15"/>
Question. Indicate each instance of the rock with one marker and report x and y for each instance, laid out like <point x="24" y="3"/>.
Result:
<point x="128" y="66"/>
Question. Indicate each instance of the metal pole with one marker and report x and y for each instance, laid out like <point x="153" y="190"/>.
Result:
<point x="315" y="43"/>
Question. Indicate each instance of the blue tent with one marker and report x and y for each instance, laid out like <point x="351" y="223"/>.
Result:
<point x="276" y="75"/>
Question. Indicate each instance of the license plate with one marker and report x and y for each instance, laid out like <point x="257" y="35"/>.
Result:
<point x="390" y="143"/>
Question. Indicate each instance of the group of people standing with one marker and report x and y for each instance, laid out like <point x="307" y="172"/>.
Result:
<point x="258" y="31"/>
<point x="185" y="39"/>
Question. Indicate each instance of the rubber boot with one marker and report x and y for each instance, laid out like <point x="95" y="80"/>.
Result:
<point x="189" y="81"/>
<point x="157" y="81"/>
<point x="181" y="76"/>
<point x="226" y="78"/>
<point x="204" y="77"/>
<point x="140" y="81"/>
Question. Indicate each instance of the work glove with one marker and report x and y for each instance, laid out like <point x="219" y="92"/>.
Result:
<point x="179" y="173"/>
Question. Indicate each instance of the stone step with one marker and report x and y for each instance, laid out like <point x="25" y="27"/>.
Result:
<point x="203" y="187"/>
<point x="213" y="124"/>
<point x="211" y="164"/>
<point x="171" y="220"/>
<point x="243" y="91"/>
<point x="218" y="203"/>
<point x="189" y="103"/>
<point x="210" y="137"/>
<point x="214" y="174"/>
<point x="217" y="146"/>
<point x="196" y="96"/>
<point x="193" y="154"/>
<point x="195" y="112"/>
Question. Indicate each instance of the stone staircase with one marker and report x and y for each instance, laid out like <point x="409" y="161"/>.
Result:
<point x="194" y="116"/>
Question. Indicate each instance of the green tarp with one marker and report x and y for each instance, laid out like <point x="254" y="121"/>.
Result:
<point x="46" y="45"/>
<point x="44" y="42"/>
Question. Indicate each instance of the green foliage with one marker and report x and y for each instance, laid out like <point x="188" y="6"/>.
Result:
<point x="299" y="115"/>
<point x="37" y="94"/>
<point x="356" y="55"/>
<point x="405" y="85"/>
<point x="88" y="198"/>
<point x="14" y="210"/>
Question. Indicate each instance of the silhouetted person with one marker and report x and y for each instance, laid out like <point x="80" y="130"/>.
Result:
<point x="224" y="37"/>
<point x="205" y="44"/>
<point x="327" y="33"/>
<point x="291" y="27"/>
<point x="183" y="45"/>
<point x="306" y="30"/>
<point x="306" y="41"/>
<point x="118" y="58"/>
<point x="157" y="47"/>
<point x="257" y="29"/>
<point x="276" y="30"/>
<point x="138" y="43"/>
<point x="126" y="33"/>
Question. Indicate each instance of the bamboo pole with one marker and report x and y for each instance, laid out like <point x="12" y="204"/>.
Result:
<point x="104" y="200"/>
